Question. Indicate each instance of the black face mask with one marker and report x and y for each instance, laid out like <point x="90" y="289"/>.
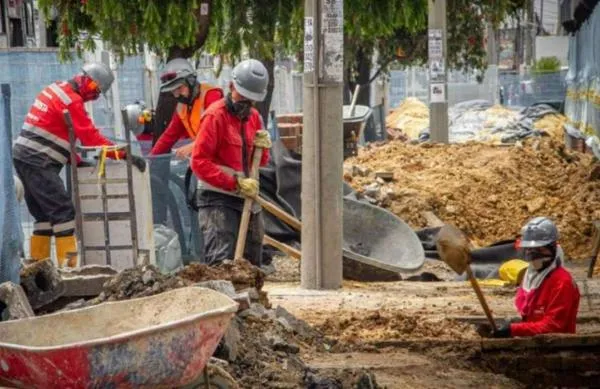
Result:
<point x="240" y="109"/>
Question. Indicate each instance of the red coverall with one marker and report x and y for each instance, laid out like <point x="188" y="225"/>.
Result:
<point x="553" y="308"/>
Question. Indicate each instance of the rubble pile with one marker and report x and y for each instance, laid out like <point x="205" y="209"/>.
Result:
<point x="141" y="281"/>
<point x="357" y="328"/>
<point x="487" y="191"/>
<point x="264" y="348"/>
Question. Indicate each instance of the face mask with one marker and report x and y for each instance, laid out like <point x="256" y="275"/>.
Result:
<point x="538" y="260"/>
<point x="182" y="99"/>
<point x="540" y="263"/>
<point x="240" y="108"/>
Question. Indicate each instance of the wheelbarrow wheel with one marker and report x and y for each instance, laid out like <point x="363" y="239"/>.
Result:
<point x="217" y="379"/>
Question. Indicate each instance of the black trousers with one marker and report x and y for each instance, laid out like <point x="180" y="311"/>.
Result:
<point x="220" y="225"/>
<point x="47" y="199"/>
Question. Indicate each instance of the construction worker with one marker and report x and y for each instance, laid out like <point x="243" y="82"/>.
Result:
<point x="192" y="98"/>
<point x="229" y="132"/>
<point x="547" y="298"/>
<point x="42" y="149"/>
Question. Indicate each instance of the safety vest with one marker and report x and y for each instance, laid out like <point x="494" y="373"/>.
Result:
<point x="190" y="116"/>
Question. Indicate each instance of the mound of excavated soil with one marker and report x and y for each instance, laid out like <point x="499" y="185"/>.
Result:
<point x="487" y="191"/>
<point x="241" y="273"/>
<point x="356" y="328"/>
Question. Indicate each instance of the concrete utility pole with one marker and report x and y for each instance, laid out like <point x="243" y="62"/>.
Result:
<point x="530" y="35"/>
<point x="322" y="145"/>
<point x="438" y="87"/>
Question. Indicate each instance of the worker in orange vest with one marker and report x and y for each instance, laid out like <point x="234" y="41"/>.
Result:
<point x="192" y="98"/>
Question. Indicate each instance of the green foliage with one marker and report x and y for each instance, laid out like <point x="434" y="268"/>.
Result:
<point x="546" y="65"/>
<point x="262" y="27"/>
<point x="266" y="28"/>
<point x="125" y="25"/>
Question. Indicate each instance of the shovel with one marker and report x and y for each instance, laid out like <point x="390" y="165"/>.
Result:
<point x="453" y="247"/>
<point x="246" y="212"/>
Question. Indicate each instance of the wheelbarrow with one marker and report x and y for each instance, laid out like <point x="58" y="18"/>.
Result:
<point x="162" y="341"/>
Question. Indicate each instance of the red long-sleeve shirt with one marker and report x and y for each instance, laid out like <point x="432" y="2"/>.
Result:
<point x="176" y="130"/>
<point x="553" y="308"/>
<point x="219" y="142"/>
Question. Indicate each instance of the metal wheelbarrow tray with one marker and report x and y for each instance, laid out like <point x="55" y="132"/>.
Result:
<point x="161" y="341"/>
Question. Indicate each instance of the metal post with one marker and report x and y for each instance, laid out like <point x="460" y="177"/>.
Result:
<point x="130" y="194"/>
<point x="75" y="188"/>
<point x="322" y="145"/>
<point x="438" y="87"/>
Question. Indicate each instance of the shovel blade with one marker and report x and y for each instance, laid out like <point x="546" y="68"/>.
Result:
<point x="453" y="247"/>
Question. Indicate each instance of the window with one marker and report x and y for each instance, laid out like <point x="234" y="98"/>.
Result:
<point x="28" y="16"/>
<point x="2" y="17"/>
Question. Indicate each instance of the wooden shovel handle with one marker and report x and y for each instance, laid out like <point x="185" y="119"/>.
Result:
<point x="246" y="212"/>
<point x="481" y="297"/>
<point x="280" y="214"/>
<point x="289" y="250"/>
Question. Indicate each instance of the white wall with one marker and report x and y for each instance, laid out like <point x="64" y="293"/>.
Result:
<point x="552" y="46"/>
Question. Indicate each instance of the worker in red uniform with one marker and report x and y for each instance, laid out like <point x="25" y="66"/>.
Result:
<point x="192" y="97"/>
<point x="42" y="149"/>
<point x="229" y="132"/>
<point x="548" y="298"/>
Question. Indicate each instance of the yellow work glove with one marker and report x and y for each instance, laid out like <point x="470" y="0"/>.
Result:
<point x="248" y="187"/>
<point x="263" y="139"/>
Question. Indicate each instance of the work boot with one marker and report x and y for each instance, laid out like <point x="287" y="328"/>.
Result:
<point x="39" y="247"/>
<point x="66" y="251"/>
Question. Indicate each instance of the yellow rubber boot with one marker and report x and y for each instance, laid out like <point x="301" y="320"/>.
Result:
<point x="66" y="251"/>
<point x="39" y="247"/>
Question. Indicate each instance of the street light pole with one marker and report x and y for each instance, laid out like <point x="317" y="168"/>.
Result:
<point x="322" y="145"/>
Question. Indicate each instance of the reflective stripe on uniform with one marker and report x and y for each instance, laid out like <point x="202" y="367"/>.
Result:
<point x="42" y="226"/>
<point x="203" y="185"/>
<point x="48" y="95"/>
<point x="62" y="227"/>
<point x="40" y="148"/>
<point x="60" y="93"/>
<point x="45" y="134"/>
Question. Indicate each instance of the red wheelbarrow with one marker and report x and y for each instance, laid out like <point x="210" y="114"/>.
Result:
<point x="162" y="341"/>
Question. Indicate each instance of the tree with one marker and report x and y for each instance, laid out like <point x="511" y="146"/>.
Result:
<point x="397" y="30"/>
<point x="180" y="28"/>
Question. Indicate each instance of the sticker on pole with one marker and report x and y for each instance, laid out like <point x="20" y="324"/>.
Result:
<point x="437" y="93"/>
<point x="435" y="44"/>
<point x="332" y="29"/>
<point x="309" y="45"/>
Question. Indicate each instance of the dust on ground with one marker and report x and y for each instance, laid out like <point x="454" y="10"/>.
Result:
<point x="385" y="325"/>
<point x="287" y="269"/>
<point x="487" y="191"/>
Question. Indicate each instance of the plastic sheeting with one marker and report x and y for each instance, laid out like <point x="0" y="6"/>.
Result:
<point x="582" y="104"/>
<point x="11" y="236"/>
<point x="479" y="120"/>
<point x="168" y="250"/>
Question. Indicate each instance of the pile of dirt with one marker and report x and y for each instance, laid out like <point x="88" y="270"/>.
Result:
<point x="373" y="327"/>
<point x="241" y="273"/>
<point x="141" y="281"/>
<point x="487" y="191"/>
